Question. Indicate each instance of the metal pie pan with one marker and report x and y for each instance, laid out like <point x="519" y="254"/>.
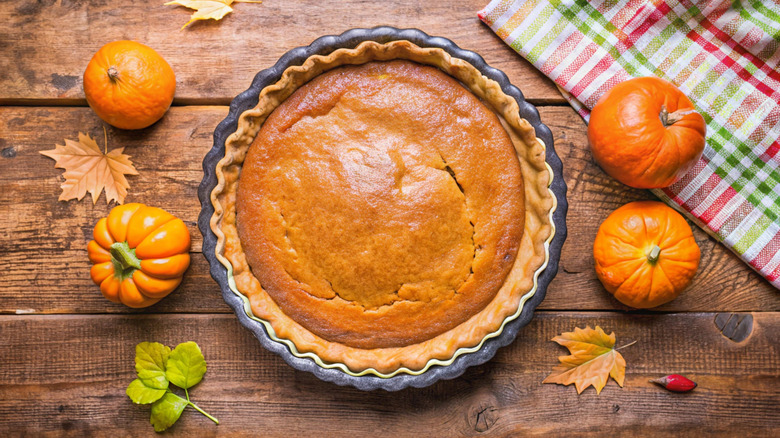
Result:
<point x="463" y="359"/>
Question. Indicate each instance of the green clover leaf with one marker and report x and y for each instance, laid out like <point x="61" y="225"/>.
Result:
<point x="186" y="366"/>
<point x="142" y="394"/>
<point x="166" y="411"/>
<point x="157" y="366"/>
<point x="150" y="360"/>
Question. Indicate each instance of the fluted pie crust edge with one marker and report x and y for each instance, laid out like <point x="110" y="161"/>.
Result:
<point x="519" y="285"/>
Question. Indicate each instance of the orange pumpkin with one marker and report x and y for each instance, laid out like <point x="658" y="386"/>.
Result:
<point x="129" y="85"/>
<point x="140" y="254"/>
<point x="645" y="133"/>
<point x="645" y="254"/>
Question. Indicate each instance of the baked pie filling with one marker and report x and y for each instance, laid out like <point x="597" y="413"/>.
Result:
<point x="383" y="206"/>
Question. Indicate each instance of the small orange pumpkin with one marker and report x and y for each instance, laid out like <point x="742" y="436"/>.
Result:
<point x="140" y="254"/>
<point x="645" y="133"/>
<point x="129" y="85"/>
<point x="645" y="254"/>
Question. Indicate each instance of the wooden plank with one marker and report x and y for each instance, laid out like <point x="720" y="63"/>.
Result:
<point x="43" y="248"/>
<point x="42" y="245"/>
<point x="69" y="373"/>
<point x="167" y="155"/>
<point x="46" y="46"/>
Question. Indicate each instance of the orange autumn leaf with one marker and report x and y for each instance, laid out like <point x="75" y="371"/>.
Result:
<point x="592" y="360"/>
<point x="208" y="9"/>
<point x="88" y="169"/>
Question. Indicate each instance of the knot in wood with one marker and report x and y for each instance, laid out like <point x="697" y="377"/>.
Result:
<point x="8" y="152"/>
<point x="734" y="326"/>
<point x="482" y="417"/>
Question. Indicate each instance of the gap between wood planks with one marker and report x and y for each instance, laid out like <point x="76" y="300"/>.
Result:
<point x="193" y="101"/>
<point x="8" y="316"/>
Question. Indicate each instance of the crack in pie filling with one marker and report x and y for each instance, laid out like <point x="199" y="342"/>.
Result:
<point x="380" y="214"/>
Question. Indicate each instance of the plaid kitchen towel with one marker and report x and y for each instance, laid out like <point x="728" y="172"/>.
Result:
<point x="722" y="54"/>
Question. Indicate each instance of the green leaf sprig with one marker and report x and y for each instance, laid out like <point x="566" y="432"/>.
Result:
<point x="157" y="367"/>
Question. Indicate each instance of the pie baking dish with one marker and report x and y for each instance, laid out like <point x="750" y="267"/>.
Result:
<point x="451" y="227"/>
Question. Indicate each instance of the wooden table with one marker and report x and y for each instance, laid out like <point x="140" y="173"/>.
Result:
<point x="66" y="354"/>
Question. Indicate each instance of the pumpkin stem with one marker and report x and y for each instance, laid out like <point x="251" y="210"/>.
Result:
<point x="652" y="256"/>
<point x="113" y="73"/>
<point x="669" y="119"/>
<point x="124" y="259"/>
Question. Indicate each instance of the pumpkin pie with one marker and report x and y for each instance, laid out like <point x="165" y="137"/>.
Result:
<point x="383" y="208"/>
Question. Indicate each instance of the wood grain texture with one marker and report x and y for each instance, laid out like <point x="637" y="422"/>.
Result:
<point x="46" y="45"/>
<point x="69" y="374"/>
<point x="66" y="353"/>
<point x="43" y="245"/>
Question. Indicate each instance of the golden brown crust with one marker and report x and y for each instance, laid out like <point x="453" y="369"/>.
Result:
<point x="381" y="205"/>
<point x="517" y="282"/>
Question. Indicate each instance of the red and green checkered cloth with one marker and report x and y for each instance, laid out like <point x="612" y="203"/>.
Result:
<point x="722" y="54"/>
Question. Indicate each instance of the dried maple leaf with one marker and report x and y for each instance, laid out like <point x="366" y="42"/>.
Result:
<point x="208" y="9"/>
<point x="592" y="360"/>
<point x="87" y="169"/>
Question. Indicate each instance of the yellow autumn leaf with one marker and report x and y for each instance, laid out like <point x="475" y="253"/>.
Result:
<point x="592" y="360"/>
<point x="208" y="9"/>
<point x="88" y="169"/>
